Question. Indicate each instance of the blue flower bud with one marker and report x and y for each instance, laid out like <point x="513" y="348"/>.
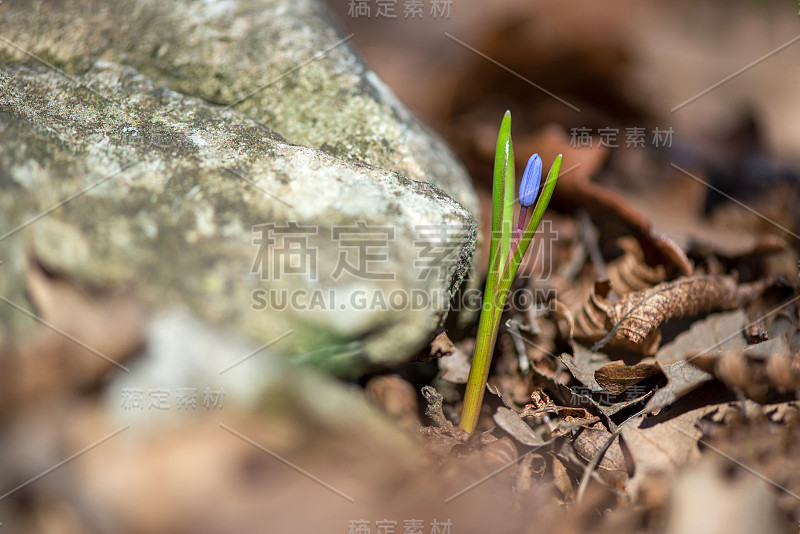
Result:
<point x="531" y="178"/>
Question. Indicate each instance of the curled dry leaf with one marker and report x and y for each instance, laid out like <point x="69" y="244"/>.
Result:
<point x="583" y="363"/>
<point x="440" y="347"/>
<point x="593" y="322"/>
<point x="434" y="409"/>
<point x="616" y="377"/>
<point x="637" y="316"/>
<point x="561" y="479"/>
<point x="630" y="272"/>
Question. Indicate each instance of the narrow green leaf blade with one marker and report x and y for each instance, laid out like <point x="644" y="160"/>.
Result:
<point x="508" y="206"/>
<point x="501" y="221"/>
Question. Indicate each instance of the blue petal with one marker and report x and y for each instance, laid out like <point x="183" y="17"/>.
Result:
<point x="531" y="178"/>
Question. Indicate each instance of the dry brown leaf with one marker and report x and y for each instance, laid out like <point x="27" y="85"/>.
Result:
<point x="616" y="377"/>
<point x="440" y="441"/>
<point x="440" y="347"/>
<point x="630" y="272"/>
<point x="682" y="378"/>
<point x="583" y="364"/>
<point x="756" y="331"/>
<point x="80" y="338"/>
<point x="561" y="479"/>
<point x="395" y="397"/>
<point x="587" y="443"/>
<point x="720" y="331"/>
<point x="531" y="466"/>
<point x="675" y="207"/>
<point x="510" y="421"/>
<point x="637" y="316"/>
<point x="455" y="368"/>
<point x="593" y="323"/>
<point x="764" y="368"/>
<point x="660" y="448"/>
<point x="514" y="386"/>
<point x="500" y="453"/>
<point x="541" y="405"/>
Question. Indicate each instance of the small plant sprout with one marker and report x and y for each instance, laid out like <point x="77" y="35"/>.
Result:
<point x="505" y="254"/>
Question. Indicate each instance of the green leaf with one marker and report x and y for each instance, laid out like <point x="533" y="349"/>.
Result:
<point x="491" y="311"/>
<point x="502" y="198"/>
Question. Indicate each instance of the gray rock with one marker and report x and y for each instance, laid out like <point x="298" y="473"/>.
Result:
<point x="280" y="61"/>
<point x="166" y="195"/>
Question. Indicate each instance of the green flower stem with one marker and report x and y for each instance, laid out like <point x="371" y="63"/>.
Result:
<point x="500" y="276"/>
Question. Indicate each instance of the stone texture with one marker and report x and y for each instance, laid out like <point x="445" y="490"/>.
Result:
<point x="280" y="61"/>
<point x="159" y="192"/>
